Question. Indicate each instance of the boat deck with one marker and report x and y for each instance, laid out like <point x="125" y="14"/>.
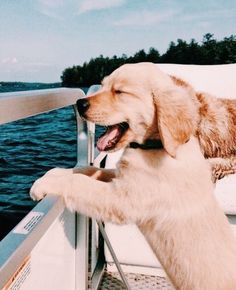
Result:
<point x="112" y="281"/>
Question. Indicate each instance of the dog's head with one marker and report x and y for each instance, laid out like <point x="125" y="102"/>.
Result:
<point x="139" y="102"/>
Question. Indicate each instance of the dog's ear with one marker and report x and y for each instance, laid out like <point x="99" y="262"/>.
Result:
<point x="176" y="117"/>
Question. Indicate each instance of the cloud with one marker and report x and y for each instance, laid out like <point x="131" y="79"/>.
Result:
<point x="38" y="64"/>
<point x="51" y="8"/>
<point x="50" y="13"/>
<point x="9" y="60"/>
<point x="89" y="5"/>
<point x="214" y="14"/>
<point x="26" y="70"/>
<point x="144" y="18"/>
<point x="149" y="18"/>
<point x="204" y="24"/>
<point x="52" y="3"/>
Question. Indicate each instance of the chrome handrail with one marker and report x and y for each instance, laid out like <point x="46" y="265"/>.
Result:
<point x="15" y="106"/>
<point x="19" y="105"/>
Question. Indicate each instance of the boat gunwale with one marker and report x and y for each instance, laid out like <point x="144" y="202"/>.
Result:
<point x="20" y="105"/>
<point x="15" y="247"/>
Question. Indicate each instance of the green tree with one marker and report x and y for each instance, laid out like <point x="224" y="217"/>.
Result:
<point x="209" y="51"/>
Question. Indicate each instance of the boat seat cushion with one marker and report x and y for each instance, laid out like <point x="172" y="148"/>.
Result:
<point x="225" y="193"/>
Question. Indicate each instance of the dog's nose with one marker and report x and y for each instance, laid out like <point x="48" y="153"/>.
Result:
<point x="82" y="105"/>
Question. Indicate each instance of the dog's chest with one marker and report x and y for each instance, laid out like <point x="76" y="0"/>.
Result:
<point x="142" y="160"/>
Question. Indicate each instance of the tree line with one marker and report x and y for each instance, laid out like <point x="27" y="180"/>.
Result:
<point x="209" y="51"/>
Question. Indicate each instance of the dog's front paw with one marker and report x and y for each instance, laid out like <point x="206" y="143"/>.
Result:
<point x="38" y="190"/>
<point x="56" y="181"/>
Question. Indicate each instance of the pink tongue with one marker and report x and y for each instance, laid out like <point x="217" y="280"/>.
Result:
<point x="105" y="141"/>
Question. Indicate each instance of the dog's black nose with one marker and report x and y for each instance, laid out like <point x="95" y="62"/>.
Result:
<point x="82" y="105"/>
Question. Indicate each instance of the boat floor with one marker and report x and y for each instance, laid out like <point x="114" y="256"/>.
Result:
<point x="112" y="281"/>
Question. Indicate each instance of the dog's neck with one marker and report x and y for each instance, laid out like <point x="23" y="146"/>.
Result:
<point x="147" y="145"/>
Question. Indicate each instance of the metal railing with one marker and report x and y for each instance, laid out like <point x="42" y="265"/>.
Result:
<point x="19" y="105"/>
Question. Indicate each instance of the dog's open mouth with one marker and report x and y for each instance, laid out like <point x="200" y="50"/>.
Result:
<point x="112" y="136"/>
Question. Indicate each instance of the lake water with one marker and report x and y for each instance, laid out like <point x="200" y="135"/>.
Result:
<point x="28" y="148"/>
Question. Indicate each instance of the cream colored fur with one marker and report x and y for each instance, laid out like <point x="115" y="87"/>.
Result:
<point x="167" y="192"/>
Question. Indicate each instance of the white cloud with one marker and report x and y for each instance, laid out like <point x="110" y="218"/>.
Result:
<point x="26" y="70"/>
<point x="206" y="16"/>
<point x="9" y="60"/>
<point x="51" y="8"/>
<point x="144" y="18"/>
<point x="204" y="24"/>
<point x="38" y="64"/>
<point x="52" y="3"/>
<point x="50" y="13"/>
<point x="89" y="5"/>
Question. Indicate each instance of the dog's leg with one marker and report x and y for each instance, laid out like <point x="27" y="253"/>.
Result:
<point x="222" y="167"/>
<point x="101" y="174"/>
<point x="106" y="201"/>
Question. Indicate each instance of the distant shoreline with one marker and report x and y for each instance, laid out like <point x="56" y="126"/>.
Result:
<point x="26" y="86"/>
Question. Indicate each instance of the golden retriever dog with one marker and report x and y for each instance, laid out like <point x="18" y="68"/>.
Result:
<point x="162" y="182"/>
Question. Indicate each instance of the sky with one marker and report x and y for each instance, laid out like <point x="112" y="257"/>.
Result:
<point x="40" y="38"/>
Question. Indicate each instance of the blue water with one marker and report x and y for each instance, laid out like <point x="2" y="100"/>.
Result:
<point x="28" y="148"/>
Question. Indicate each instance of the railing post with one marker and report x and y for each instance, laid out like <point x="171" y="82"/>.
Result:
<point x="81" y="256"/>
<point x="91" y="142"/>
<point x="82" y="252"/>
<point x="82" y="222"/>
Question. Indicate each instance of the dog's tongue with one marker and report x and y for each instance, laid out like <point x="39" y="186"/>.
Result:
<point x="110" y="138"/>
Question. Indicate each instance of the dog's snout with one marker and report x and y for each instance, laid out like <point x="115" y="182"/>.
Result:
<point x="82" y="105"/>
